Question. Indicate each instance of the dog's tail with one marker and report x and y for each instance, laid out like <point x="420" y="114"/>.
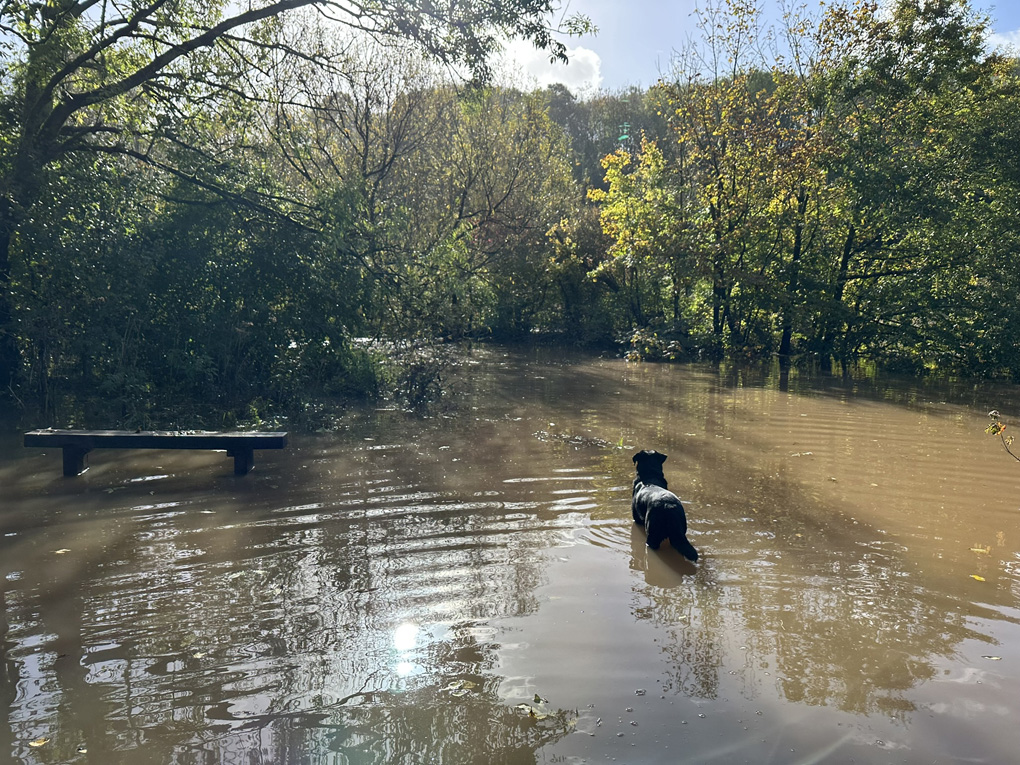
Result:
<point x="684" y="547"/>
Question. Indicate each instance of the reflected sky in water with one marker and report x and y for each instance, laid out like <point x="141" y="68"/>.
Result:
<point x="470" y="587"/>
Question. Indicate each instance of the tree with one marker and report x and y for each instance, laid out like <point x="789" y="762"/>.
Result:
<point x="644" y="214"/>
<point x="848" y="199"/>
<point x="728" y="197"/>
<point x="908" y="91"/>
<point x="90" y="76"/>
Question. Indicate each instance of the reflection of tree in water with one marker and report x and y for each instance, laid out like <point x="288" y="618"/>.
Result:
<point x="473" y="730"/>
<point x="269" y="636"/>
<point x="409" y="729"/>
<point x="694" y="651"/>
<point x="824" y="612"/>
<point x="436" y="719"/>
<point x="265" y="634"/>
<point x="829" y="613"/>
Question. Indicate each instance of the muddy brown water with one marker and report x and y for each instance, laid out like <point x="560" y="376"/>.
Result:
<point x="470" y="588"/>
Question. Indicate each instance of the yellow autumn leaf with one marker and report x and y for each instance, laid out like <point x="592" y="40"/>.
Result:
<point x="39" y="742"/>
<point x="979" y="578"/>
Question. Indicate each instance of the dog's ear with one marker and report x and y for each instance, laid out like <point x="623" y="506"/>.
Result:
<point x="649" y="455"/>
<point x="644" y="456"/>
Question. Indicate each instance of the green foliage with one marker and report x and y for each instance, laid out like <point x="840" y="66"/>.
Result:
<point x="202" y="203"/>
<point x="223" y="225"/>
<point x="850" y="200"/>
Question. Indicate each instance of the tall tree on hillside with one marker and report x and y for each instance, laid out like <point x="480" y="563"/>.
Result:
<point x="96" y="76"/>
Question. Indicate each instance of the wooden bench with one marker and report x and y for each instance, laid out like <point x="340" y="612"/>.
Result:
<point x="78" y="443"/>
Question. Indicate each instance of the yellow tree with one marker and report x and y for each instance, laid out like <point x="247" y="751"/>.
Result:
<point x="747" y="149"/>
<point x="644" y="217"/>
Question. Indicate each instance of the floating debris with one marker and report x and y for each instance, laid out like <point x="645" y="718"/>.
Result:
<point x="573" y="440"/>
<point x="533" y="713"/>
<point x="459" y="687"/>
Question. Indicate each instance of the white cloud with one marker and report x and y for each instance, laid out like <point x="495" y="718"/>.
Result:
<point x="1006" y="41"/>
<point x="582" y="75"/>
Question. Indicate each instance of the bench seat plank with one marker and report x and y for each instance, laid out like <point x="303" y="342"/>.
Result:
<point x="78" y="443"/>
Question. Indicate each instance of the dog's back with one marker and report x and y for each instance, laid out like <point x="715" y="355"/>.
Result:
<point x="658" y="509"/>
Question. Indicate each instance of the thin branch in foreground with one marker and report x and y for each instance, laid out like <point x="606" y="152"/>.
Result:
<point x="996" y="428"/>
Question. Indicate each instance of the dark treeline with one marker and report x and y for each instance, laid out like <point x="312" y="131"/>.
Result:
<point x="278" y="213"/>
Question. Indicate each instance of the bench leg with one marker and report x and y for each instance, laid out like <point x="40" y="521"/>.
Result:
<point x="244" y="459"/>
<point x="75" y="462"/>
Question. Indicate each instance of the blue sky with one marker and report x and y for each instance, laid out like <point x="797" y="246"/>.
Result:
<point x="637" y="37"/>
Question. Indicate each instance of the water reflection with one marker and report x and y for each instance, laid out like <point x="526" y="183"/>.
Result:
<point x="471" y="589"/>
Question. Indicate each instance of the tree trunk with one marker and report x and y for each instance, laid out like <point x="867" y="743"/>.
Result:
<point x="828" y="338"/>
<point x="792" y="285"/>
<point x="10" y="355"/>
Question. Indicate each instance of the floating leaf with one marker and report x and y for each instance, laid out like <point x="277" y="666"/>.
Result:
<point x="39" y="742"/>
<point x="539" y="700"/>
<point x="62" y="550"/>
<point x="978" y="578"/>
<point x="460" y="687"/>
<point x="983" y="550"/>
<point x="992" y="658"/>
<point x="533" y="713"/>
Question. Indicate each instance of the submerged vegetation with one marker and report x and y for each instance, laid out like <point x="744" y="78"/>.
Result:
<point x="209" y="218"/>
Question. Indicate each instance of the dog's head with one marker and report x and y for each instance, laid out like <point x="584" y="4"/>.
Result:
<point x="648" y="464"/>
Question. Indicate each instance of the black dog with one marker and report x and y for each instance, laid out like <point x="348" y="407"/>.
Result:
<point x="658" y="509"/>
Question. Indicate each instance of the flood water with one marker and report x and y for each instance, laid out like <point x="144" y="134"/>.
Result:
<point x="470" y="587"/>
